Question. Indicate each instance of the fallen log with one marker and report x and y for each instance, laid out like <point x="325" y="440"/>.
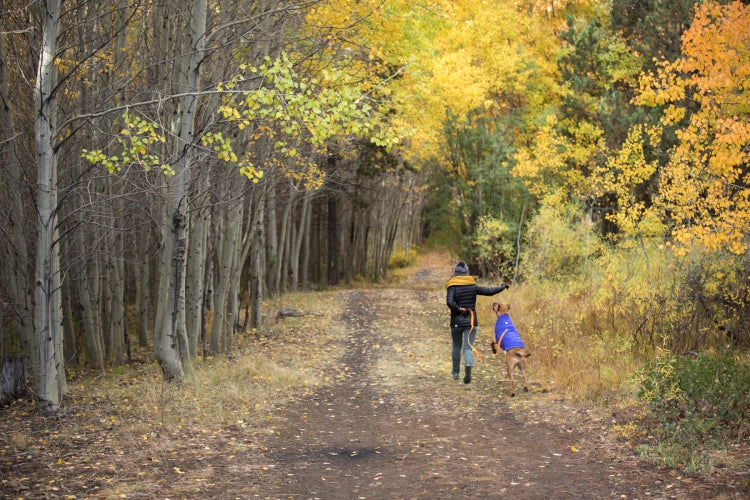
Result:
<point x="293" y="313"/>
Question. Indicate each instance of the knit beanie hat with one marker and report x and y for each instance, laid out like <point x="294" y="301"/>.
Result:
<point x="461" y="269"/>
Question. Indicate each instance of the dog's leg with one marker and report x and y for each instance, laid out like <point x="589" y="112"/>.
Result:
<point x="522" y="367"/>
<point x="509" y="364"/>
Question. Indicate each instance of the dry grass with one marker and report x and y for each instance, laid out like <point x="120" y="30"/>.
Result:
<point x="286" y="356"/>
<point x="128" y="423"/>
<point x="568" y="356"/>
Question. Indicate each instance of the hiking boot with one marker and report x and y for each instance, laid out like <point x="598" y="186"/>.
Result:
<point x="455" y="376"/>
<point x="494" y="347"/>
<point x="467" y="377"/>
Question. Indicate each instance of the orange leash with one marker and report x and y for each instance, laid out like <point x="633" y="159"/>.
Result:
<point x="468" y="336"/>
<point x="498" y="344"/>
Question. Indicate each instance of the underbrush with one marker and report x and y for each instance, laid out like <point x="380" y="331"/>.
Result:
<point x="687" y="412"/>
<point x="402" y="257"/>
<point x="697" y="406"/>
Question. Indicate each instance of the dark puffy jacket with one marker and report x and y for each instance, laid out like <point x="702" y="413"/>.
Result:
<point x="465" y="296"/>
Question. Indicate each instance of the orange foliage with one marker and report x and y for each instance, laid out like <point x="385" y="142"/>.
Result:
<point x="705" y="185"/>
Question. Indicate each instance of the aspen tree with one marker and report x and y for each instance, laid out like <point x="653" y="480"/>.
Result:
<point x="47" y="361"/>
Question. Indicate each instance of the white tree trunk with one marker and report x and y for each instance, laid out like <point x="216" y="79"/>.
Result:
<point x="233" y="299"/>
<point x="162" y="292"/>
<point x="166" y="40"/>
<point x="90" y="314"/>
<point x="299" y="237"/>
<point x="307" y="228"/>
<point x="200" y="224"/>
<point x="142" y="286"/>
<point x="219" y="287"/>
<point x="227" y="258"/>
<point x="47" y="361"/>
<point x="283" y="249"/>
<point x="173" y="345"/>
<point x="273" y="259"/>
<point x="168" y="348"/>
<point x="116" y="264"/>
<point x="257" y="279"/>
<point x="117" y="288"/>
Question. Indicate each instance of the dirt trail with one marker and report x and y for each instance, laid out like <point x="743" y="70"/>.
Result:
<point x="386" y="429"/>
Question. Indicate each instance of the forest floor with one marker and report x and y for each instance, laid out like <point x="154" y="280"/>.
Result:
<point x="386" y="421"/>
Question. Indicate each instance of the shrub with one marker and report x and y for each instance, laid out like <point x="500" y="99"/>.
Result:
<point x="661" y="301"/>
<point x="636" y="296"/>
<point x="697" y="403"/>
<point x="570" y="354"/>
<point x="493" y="244"/>
<point x="400" y="258"/>
<point x="561" y="242"/>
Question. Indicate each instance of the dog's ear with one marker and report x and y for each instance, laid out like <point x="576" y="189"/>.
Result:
<point x="495" y="306"/>
<point x="508" y="306"/>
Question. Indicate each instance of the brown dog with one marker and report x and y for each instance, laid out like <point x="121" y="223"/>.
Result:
<point x="508" y="339"/>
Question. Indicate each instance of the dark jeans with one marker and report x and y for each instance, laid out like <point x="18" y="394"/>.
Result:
<point x="461" y="339"/>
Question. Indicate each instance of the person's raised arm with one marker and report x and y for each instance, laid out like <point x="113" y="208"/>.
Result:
<point x="491" y="290"/>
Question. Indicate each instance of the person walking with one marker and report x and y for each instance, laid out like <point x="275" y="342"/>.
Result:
<point x="461" y="298"/>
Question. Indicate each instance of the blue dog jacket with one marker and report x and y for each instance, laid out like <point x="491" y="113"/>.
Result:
<point x="505" y="328"/>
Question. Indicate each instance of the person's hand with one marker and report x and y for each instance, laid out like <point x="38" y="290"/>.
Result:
<point x="463" y="310"/>
<point x="504" y="286"/>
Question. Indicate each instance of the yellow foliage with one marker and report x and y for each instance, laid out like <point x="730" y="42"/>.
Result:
<point x="457" y="57"/>
<point x="553" y="162"/>
<point x="134" y="147"/>
<point x="561" y="240"/>
<point x="545" y="160"/>
<point x="494" y="244"/>
<point x="704" y="185"/>
<point x="623" y="175"/>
